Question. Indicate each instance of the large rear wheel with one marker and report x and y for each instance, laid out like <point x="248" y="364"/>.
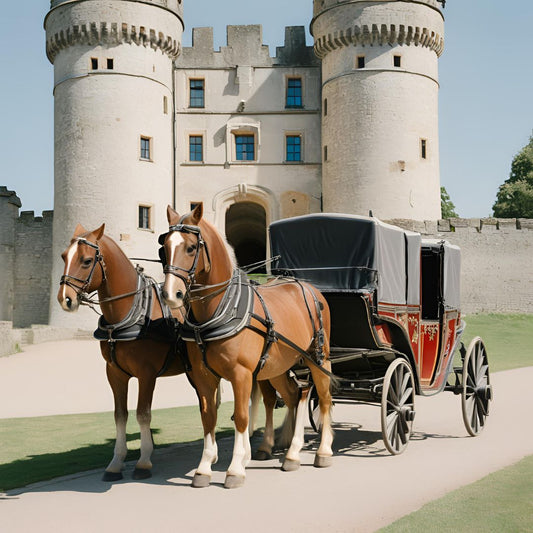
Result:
<point x="477" y="390"/>
<point x="397" y="406"/>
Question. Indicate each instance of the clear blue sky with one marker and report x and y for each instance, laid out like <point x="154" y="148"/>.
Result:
<point x="486" y="95"/>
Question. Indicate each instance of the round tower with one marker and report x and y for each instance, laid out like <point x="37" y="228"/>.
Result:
<point x="113" y="117"/>
<point x="380" y="106"/>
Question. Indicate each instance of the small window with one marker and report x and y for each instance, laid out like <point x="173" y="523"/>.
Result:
<point x="196" y="148"/>
<point x="397" y="61"/>
<point x="196" y="93"/>
<point x="146" y="148"/>
<point x="325" y="107"/>
<point x="145" y="216"/>
<point x="293" y="148"/>
<point x="360" y="61"/>
<point x="245" y="147"/>
<point x="165" y="105"/>
<point x="109" y="63"/>
<point x="294" y="92"/>
<point x="325" y="153"/>
<point x="94" y="63"/>
<point x="423" y="148"/>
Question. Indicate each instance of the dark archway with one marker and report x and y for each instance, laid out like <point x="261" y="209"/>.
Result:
<point x="246" y="232"/>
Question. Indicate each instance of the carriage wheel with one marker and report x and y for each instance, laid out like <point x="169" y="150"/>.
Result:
<point x="397" y="406"/>
<point x="477" y="390"/>
<point x="313" y="409"/>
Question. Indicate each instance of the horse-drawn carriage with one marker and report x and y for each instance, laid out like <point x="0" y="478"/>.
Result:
<point x="395" y="316"/>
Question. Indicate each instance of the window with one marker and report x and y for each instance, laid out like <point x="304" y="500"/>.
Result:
<point x="146" y="148"/>
<point x="423" y="148"/>
<point x="360" y="61"/>
<point x="397" y="61"/>
<point x="196" y="148"/>
<point x="109" y="63"/>
<point x="165" y="105"/>
<point x="245" y="147"/>
<point x="94" y="63"/>
<point x="294" y="92"/>
<point x="145" y="213"/>
<point x="325" y="107"/>
<point x="325" y="153"/>
<point x="293" y="148"/>
<point x="196" y="93"/>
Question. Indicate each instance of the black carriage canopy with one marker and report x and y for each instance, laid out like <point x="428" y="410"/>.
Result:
<point x="338" y="253"/>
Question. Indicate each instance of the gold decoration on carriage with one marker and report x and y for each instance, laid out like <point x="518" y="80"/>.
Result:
<point x="413" y="321"/>
<point x="431" y="330"/>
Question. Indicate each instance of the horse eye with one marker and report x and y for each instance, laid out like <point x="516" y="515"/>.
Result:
<point x="87" y="262"/>
<point x="190" y="249"/>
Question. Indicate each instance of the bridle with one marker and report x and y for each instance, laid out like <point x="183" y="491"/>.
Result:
<point x="188" y="276"/>
<point x="67" y="279"/>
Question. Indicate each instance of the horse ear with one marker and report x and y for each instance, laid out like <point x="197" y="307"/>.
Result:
<point x="172" y="216"/>
<point x="98" y="233"/>
<point x="197" y="213"/>
<point x="80" y="230"/>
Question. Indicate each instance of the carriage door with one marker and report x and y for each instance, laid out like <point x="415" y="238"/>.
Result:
<point x="246" y="232"/>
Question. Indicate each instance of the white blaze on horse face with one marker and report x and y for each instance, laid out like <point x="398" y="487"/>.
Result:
<point x="174" y="286"/>
<point x="64" y="298"/>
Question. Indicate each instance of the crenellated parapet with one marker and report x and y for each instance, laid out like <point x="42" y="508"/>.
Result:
<point x="111" y="34"/>
<point x="384" y="34"/>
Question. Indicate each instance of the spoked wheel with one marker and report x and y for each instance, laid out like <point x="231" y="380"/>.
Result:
<point x="397" y="406"/>
<point x="313" y="409"/>
<point x="477" y="390"/>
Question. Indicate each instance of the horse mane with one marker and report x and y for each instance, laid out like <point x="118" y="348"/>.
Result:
<point x="222" y="241"/>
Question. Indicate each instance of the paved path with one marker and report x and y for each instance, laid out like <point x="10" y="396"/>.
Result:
<point x="364" y="489"/>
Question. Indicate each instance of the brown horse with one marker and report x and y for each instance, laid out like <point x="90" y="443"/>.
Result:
<point x="94" y="262"/>
<point x="197" y="255"/>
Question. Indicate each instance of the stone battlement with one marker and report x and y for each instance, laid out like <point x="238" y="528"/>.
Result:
<point x="465" y="225"/>
<point x="244" y="46"/>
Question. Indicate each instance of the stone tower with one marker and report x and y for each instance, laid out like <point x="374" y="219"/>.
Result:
<point x="380" y="106"/>
<point x="113" y="115"/>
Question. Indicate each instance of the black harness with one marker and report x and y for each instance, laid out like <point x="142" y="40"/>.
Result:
<point x="235" y="311"/>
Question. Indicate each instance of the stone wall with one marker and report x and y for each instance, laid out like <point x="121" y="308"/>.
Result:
<point x="497" y="260"/>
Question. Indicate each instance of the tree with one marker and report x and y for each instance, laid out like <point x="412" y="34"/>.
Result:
<point x="447" y="207"/>
<point x="515" y="195"/>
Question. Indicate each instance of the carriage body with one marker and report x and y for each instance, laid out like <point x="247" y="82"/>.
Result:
<point x="391" y="294"/>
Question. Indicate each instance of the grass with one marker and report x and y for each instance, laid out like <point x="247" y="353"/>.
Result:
<point x="41" y="448"/>
<point x="499" y="503"/>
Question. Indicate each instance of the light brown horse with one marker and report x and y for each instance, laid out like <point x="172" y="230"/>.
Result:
<point x="197" y="253"/>
<point x="94" y="262"/>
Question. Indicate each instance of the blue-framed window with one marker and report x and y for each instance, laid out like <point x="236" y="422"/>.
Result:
<point x="196" y="93"/>
<point x="293" y="148"/>
<point x="146" y="148"/>
<point x="245" y="147"/>
<point x="196" y="148"/>
<point x="294" y="92"/>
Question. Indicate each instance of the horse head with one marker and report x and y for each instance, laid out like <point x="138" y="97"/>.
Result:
<point x="185" y="255"/>
<point x="84" y="268"/>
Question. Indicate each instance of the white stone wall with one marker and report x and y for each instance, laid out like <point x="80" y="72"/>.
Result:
<point x="378" y="115"/>
<point x="100" y="116"/>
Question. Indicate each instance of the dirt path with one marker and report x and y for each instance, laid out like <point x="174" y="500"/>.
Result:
<point x="364" y="490"/>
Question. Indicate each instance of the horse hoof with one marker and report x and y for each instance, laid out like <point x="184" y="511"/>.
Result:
<point x="112" y="476"/>
<point x="142" y="473"/>
<point x="233" y="482"/>
<point x="262" y="455"/>
<point x="290" y="465"/>
<point x="199" y="481"/>
<point x="323" y="461"/>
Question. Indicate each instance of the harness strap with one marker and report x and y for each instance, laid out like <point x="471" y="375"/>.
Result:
<point x="112" y="350"/>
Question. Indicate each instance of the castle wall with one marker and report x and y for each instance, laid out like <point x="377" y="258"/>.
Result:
<point x="496" y="261"/>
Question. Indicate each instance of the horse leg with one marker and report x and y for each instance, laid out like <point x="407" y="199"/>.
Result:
<point x="254" y="406"/>
<point x="206" y="389"/>
<point x="323" y="386"/>
<point x="242" y="388"/>
<point x="119" y="385"/>
<point x="264" y="451"/>
<point x="144" y="418"/>
<point x="291" y="395"/>
<point x="292" y="458"/>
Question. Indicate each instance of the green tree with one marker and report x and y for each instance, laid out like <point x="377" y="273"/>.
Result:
<point x="515" y="196"/>
<point x="447" y="207"/>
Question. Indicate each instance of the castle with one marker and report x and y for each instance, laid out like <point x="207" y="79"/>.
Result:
<point x="348" y="125"/>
